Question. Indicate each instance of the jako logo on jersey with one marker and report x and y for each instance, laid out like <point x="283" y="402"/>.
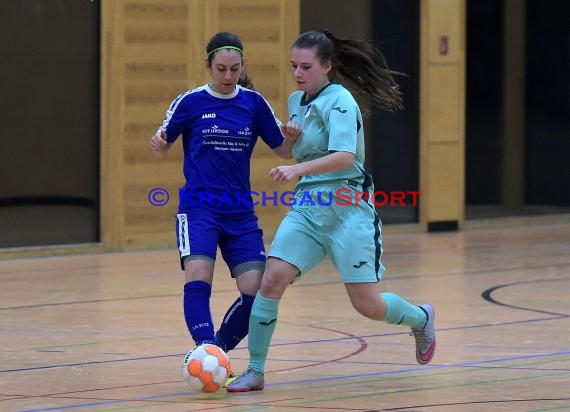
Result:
<point x="209" y="116"/>
<point x="339" y="109"/>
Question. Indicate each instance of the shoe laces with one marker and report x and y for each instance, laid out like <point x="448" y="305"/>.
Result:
<point x="421" y="337"/>
<point x="250" y="371"/>
<point x="246" y="373"/>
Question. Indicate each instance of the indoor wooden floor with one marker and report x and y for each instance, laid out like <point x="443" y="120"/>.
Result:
<point x="106" y="332"/>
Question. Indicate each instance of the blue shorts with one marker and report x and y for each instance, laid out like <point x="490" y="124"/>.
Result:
<point x="239" y="238"/>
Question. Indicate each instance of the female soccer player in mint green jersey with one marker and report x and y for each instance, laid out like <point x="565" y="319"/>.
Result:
<point x="330" y="156"/>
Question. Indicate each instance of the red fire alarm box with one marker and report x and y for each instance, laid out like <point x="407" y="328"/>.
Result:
<point x="443" y="45"/>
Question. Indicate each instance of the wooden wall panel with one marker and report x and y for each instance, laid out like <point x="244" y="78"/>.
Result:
<point x="445" y="21"/>
<point x="112" y="206"/>
<point x="442" y="112"/>
<point x="442" y="103"/>
<point x="153" y="50"/>
<point x="152" y="78"/>
<point x="443" y="202"/>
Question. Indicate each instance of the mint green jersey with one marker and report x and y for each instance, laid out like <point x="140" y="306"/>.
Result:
<point x="351" y="234"/>
<point x="330" y="122"/>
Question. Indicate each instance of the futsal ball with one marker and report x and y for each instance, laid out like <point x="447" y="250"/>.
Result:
<point x="206" y="368"/>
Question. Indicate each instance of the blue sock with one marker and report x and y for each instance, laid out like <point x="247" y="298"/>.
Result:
<point x="261" y="327"/>
<point x="402" y="312"/>
<point x="235" y="324"/>
<point x="197" y="311"/>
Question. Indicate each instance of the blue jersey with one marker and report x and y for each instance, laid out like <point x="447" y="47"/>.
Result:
<point x="219" y="133"/>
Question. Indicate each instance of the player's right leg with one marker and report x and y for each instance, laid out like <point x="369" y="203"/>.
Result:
<point x="278" y="275"/>
<point x="197" y="249"/>
<point x="293" y="251"/>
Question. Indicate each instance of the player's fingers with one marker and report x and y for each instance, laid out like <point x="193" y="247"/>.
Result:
<point x="158" y="142"/>
<point x="294" y="128"/>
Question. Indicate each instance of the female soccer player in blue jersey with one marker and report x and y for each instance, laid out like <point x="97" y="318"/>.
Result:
<point x="220" y="123"/>
<point x="330" y="155"/>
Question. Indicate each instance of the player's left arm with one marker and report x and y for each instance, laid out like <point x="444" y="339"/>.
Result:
<point x="342" y="125"/>
<point x="278" y="136"/>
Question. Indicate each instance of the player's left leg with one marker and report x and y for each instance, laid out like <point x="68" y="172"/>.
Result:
<point x="235" y="323"/>
<point x="362" y="243"/>
<point x="234" y="326"/>
<point x="393" y="309"/>
<point x="243" y="250"/>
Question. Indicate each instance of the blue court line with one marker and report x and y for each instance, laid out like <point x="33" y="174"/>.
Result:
<point x="70" y="365"/>
<point x="84" y="405"/>
<point x="305" y="381"/>
<point x="422" y="368"/>
<point x="484" y="325"/>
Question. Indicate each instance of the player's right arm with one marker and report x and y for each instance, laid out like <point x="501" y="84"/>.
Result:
<point x="176" y="116"/>
<point x="158" y="144"/>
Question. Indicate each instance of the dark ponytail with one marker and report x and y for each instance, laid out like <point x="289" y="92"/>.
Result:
<point x="357" y="65"/>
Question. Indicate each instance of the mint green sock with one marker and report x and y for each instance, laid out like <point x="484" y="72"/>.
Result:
<point x="262" y="324"/>
<point x="402" y="312"/>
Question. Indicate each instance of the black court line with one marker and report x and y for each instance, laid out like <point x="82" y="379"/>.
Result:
<point x="487" y="402"/>
<point x="305" y="284"/>
<point x="487" y="295"/>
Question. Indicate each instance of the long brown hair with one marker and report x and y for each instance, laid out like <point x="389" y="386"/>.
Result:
<point x="358" y="65"/>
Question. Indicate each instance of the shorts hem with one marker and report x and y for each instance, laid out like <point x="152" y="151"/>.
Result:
<point x="185" y="258"/>
<point x="367" y="280"/>
<point x="288" y="260"/>
<point x="241" y="268"/>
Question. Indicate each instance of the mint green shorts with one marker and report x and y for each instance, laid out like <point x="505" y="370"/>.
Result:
<point x="327" y="220"/>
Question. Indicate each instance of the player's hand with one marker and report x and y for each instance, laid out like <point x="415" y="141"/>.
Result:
<point x="284" y="174"/>
<point x="291" y="130"/>
<point x="158" y="144"/>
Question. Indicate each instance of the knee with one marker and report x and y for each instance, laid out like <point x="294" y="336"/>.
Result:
<point x="248" y="283"/>
<point x="272" y="285"/>
<point x="277" y="276"/>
